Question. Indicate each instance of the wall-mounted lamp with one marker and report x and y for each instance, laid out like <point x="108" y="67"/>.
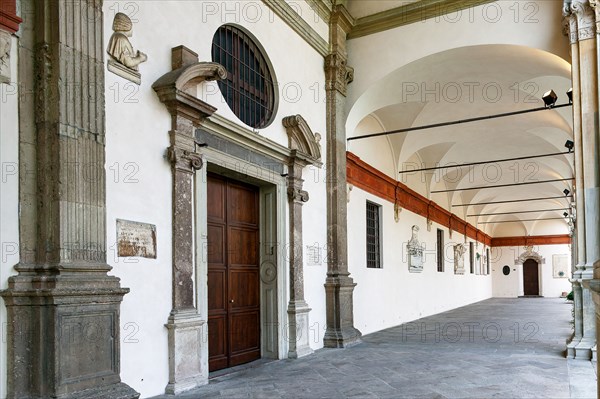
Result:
<point x="570" y="95"/>
<point x="570" y="145"/>
<point x="566" y="192"/>
<point x="550" y="99"/>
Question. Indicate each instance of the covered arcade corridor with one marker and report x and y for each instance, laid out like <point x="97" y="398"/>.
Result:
<point x="505" y="348"/>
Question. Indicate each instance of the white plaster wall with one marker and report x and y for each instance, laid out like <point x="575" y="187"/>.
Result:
<point x="392" y="295"/>
<point x="9" y="195"/>
<point x="511" y="286"/>
<point x="137" y="138"/>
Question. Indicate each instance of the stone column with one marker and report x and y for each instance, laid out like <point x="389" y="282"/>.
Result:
<point x="305" y="151"/>
<point x="588" y="97"/>
<point x="177" y="90"/>
<point x="339" y="286"/>
<point x="579" y="235"/>
<point x="63" y="307"/>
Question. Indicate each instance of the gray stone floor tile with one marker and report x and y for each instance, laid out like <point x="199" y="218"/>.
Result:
<point x="525" y="361"/>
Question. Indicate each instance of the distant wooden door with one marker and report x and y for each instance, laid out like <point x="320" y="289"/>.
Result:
<point x="233" y="273"/>
<point x="531" y="280"/>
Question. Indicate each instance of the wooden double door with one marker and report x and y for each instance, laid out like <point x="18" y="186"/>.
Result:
<point x="531" y="280"/>
<point x="233" y="273"/>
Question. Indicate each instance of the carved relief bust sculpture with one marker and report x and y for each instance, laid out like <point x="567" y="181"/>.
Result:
<point x="5" y="39"/>
<point x="415" y="252"/>
<point x="459" y="261"/>
<point x="123" y="59"/>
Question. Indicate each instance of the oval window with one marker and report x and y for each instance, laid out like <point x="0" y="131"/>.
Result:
<point x="506" y="270"/>
<point x="248" y="89"/>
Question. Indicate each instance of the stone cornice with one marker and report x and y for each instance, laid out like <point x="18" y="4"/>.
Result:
<point x="341" y="16"/>
<point x="299" y="25"/>
<point x="244" y="137"/>
<point x="408" y="14"/>
<point x="322" y="8"/>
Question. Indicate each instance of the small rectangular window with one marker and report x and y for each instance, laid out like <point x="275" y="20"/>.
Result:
<point x="440" y="250"/>
<point x="487" y="261"/>
<point x="472" y="257"/>
<point x="373" y="235"/>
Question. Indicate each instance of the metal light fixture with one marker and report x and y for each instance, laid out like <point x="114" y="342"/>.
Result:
<point x="570" y="145"/>
<point x="566" y="214"/>
<point x="567" y="192"/>
<point x="570" y="95"/>
<point x="550" y="99"/>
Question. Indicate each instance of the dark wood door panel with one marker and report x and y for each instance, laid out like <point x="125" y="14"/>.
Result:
<point x="242" y="206"/>
<point x="244" y="337"/>
<point x="217" y="342"/>
<point x="233" y="273"/>
<point x="217" y="189"/>
<point x="531" y="283"/>
<point x="243" y="247"/>
<point x="244" y="290"/>
<point x="216" y="249"/>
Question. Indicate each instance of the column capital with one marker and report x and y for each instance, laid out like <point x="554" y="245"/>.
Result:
<point x="337" y="73"/>
<point x="586" y="18"/>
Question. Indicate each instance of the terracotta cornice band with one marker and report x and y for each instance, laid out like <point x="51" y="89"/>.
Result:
<point x="536" y="240"/>
<point x="9" y="20"/>
<point x="371" y="180"/>
<point x="367" y="178"/>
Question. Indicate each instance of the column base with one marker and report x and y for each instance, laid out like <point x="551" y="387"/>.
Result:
<point x="299" y="330"/>
<point x="66" y="320"/>
<point x="340" y="331"/>
<point x="571" y="344"/>
<point x="583" y="350"/>
<point x="187" y="368"/>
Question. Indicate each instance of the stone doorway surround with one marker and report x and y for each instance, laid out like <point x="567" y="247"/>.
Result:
<point x="201" y="141"/>
<point x="520" y="261"/>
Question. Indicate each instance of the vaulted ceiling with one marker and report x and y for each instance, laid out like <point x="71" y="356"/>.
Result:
<point x="470" y="82"/>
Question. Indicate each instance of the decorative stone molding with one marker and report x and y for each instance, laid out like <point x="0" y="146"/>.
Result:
<point x="305" y="150"/>
<point x="177" y="90"/>
<point x="415" y="252"/>
<point x="5" y="45"/>
<point x="302" y="140"/>
<point x="283" y="10"/>
<point x="530" y="254"/>
<point x="586" y="27"/>
<point x="338" y="74"/>
<point x="184" y="160"/>
<point x="409" y="13"/>
<point x="123" y="59"/>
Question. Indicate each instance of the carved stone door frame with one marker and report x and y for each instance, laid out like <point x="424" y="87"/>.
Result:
<point x="273" y="267"/>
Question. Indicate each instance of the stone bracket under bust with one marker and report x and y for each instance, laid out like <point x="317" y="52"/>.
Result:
<point x="123" y="59"/>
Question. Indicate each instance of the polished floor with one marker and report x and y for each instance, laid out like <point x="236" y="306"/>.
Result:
<point x="499" y="348"/>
